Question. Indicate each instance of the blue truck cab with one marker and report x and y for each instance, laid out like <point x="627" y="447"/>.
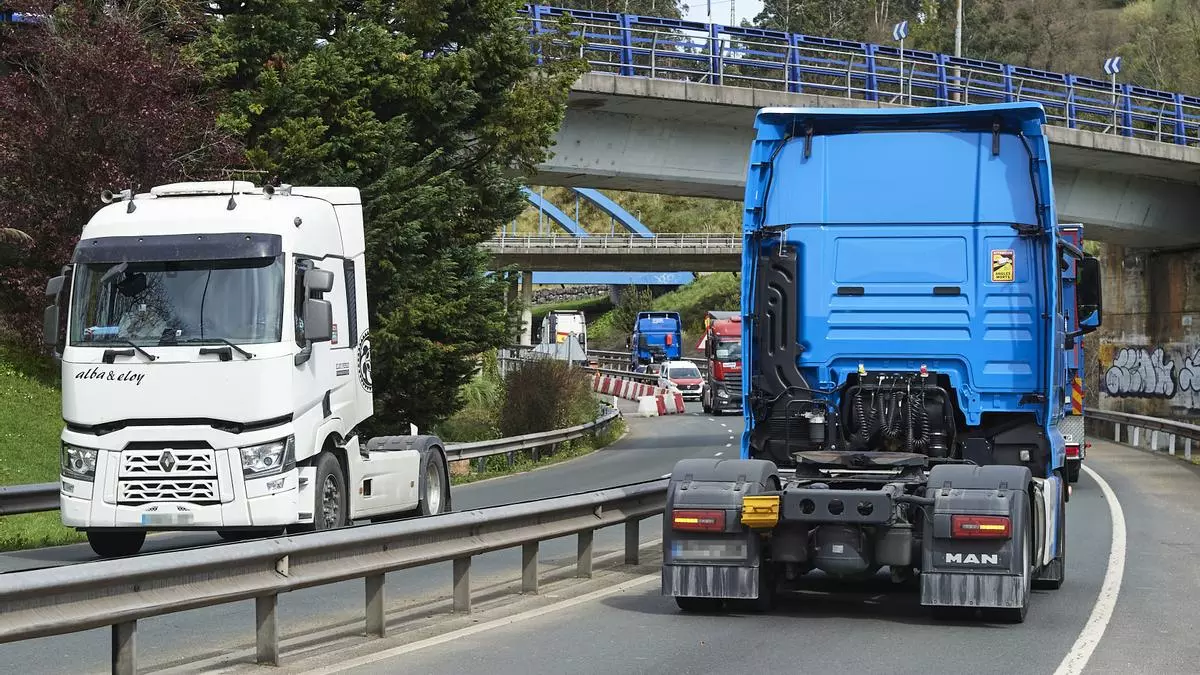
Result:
<point x="657" y="336"/>
<point x="905" y="362"/>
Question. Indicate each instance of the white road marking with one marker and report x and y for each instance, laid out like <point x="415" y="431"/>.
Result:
<point x="724" y="425"/>
<point x="665" y="475"/>
<point x="719" y="453"/>
<point x="729" y="445"/>
<point x="1075" y="660"/>
<point x="486" y="626"/>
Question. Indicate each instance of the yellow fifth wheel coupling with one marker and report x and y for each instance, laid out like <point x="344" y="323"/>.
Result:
<point x="760" y="511"/>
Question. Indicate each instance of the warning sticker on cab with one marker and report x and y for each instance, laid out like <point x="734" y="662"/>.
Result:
<point x="1002" y="266"/>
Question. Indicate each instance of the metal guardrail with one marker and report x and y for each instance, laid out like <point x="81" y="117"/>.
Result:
<point x="1133" y="426"/>
<point x="672" y="49"/>
<point x="34" y="498"/>
<point x="30" y="498"/>
<point x="703" y="243"/>
<point x="117" y="593"/>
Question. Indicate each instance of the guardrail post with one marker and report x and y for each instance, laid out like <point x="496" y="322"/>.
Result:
<point x="1154" y="440"/>
<point x="376" y="624"/>
<point x="1116" y="432"/>
<point x="529" y="567"/>
<point x="584" y="564"/>
<point x="1187" y="449"/>
<point x="1171" y="444"/>
<point x="267" y="631"/>
<point x="631" y="541"/>
<point x="124" y="648"/>
<point x="462" y="584"/>
<point x="1137" y="433"/>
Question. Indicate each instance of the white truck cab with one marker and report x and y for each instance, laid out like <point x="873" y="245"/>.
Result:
<point x="216" y="363"/>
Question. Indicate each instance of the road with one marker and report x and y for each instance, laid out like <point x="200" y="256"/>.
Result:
<point x="649" y="451"/>
<point x="876" y="629"/>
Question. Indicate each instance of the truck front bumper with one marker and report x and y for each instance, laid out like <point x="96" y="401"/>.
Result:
<point x="272" y="501"/>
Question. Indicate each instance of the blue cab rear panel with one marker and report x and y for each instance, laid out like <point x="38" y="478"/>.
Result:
<point x="907" y="228"/>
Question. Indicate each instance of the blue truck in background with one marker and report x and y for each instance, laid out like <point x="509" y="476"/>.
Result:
<point x="906" y="361"/>
<point x="657" y="336"/>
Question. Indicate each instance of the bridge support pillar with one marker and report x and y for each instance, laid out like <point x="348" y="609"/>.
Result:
<point x="526" y="308"/>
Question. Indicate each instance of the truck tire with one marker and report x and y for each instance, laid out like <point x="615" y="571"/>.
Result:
<point x="705" y="403"/>
<point x="107" y="544"/>
<point x="1058" y="567"/>
<point x="699" y="605"/>
<point x="1017" y="614"/>
<point x="435" y="488"/>
<point x="1073" y="466"/>
<point x="329" y="496"/>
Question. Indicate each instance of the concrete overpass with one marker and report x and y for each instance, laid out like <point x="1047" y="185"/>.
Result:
<point x="686" y="138"/>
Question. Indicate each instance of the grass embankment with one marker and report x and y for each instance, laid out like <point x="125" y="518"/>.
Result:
<point x="30" y="424"/>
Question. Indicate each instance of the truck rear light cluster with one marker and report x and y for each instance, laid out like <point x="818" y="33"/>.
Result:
<point x="980" y="527"/>
<point x="1072" y="452"/>
<point x="698" y="521"/>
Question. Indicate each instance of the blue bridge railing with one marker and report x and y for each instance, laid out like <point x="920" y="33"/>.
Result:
<point x="660" y="48"/>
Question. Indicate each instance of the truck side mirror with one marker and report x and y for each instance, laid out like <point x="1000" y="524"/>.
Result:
<point x="318" y="280"/>
<point x="50" y="316"/>
<point x="1089" y="299"/>
<point x="318" y="319"/>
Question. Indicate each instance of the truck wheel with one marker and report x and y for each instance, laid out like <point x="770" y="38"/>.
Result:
<point x="1017" y="614"/>
<point x="1073" y="470"/>
<point x="435" y="490"/>
<point x="115" y="544"/>
<point x="704" y="401"/>
<point x="1052" y="576"/>
<point x="329" y="509"/>
<point x="699" y="605"/>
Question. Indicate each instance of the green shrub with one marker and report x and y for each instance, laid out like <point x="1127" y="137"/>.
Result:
<point x="546" y="394"/>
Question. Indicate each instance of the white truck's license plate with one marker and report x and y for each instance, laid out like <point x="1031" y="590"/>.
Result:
<point x="167" y="519"/>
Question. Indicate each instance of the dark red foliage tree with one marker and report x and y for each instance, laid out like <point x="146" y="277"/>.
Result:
<point x="93" y="96"/>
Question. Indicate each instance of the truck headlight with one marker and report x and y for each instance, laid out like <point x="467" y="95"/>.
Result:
<point x="78" y="463"/>
<point x="269" y="459"/>
<point x="722" y="392"/>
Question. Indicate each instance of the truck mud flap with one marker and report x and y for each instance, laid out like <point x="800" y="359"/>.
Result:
<point x="714" y="556"/>
<point x="960" y="566"/>
<point x="710" y="581"/>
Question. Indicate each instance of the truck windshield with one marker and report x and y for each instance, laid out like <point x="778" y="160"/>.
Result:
<point x="153" y="303"/>
<point x="729" y="351"/>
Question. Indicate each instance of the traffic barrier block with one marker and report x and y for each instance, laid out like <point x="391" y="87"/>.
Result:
<point x="648" y="406"/>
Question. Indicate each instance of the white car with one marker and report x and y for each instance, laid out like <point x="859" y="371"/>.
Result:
<point x="682" y="376"/>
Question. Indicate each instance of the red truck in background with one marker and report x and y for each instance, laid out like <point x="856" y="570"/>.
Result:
<point x="722" y="347"/>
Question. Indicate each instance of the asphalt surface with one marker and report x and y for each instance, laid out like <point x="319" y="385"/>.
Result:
<point x="878" y="629"/>
<point x="649" y="451"/>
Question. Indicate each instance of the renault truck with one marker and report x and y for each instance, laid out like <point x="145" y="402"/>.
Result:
<point x="904" y="334"/>
<point x="216" y="359"/>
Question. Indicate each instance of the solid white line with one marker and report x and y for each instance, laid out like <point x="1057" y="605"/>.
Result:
<point x="1089" y="638"/>
<point x="489" y="625"/>
<point x="665" y="475"/>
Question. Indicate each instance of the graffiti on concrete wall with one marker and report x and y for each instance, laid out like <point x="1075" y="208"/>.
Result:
<point x="1139" y="372"/>
<point x="1165" y="377"/>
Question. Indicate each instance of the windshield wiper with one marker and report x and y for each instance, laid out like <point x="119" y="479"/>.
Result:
<point x="221" y="350"/>
<point x="111" y="354"/>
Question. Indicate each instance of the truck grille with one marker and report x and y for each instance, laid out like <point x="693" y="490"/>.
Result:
<point x="186" y="474"/>
<point x="145" y="491"/>
<point x="146" y="463"/>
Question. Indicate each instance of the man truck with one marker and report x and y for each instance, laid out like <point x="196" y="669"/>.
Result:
<point x="722" y="347"/>
<point x="657" y="336"/>
<point x="904" y="340"/>
<point x="216" y="367"/>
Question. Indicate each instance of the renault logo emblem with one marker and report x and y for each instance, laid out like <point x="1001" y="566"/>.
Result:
<point x="167" y="461"/>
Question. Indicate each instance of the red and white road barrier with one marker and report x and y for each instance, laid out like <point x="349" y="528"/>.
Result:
<point x="652" y="400"/>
